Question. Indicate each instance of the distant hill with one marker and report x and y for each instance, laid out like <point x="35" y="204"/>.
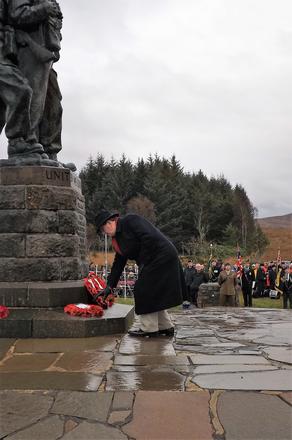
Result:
<point x="280" y="221"/>
<point x="278" y="230"/>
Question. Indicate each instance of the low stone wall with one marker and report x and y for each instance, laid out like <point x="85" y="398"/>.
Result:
<point x="208" y="295"/>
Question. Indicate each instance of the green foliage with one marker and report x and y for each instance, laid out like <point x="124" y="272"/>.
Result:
<point x="190" y="208"/>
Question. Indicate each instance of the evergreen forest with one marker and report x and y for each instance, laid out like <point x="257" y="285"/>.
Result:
<point x="202" y="216"/>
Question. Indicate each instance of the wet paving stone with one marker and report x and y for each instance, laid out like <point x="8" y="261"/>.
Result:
<point x="122" y="401"/>
<point x="207" y="341"/>
<point x="265" y="334"/>
<point x="171" y="416"/>
<point x="288" y="398"/>
<point x="49" y="381"/>
<point x="148" y="379"/>
<point x="209" y="369"/>
<point x="91" y="406"/>
<point x="254" y="416"/>
<point x="224" y="345"/>
<point x="59" y="345"/>
<point x="119" y="417"/>
<point x="276" y="380"/>
<point x="5" y="344"/>
<point x="204" y="359"/>
<point x="19" y="410"/>
<point x="199" y="349"/>
<point x="183" y="319"/>
<point x="92" y="431"/>
<point x="70" y="424"/>
<point x="150" y="346"/>
<point x="125" y="367"/>
<point x="187" y="332"/>
<point x="280" y="354"/>
<point x="29" y="362"/>
<point x="143" y="360"/>
<point x="51" y="428"/>
<point x="86" y="361"/>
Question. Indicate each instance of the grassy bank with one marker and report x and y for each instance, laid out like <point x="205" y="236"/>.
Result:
<point x="266" y="303"/>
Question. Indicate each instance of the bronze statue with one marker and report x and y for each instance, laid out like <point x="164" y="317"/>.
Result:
<point x="15" y="96"/>
<point x="34" y="39"/>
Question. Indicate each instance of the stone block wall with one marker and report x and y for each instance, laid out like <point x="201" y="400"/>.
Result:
<point x="208" y="295"/>
<point x="42" y="225"/>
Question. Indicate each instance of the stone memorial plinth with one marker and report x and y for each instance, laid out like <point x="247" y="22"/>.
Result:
<point x="43" y="252"/>
<point x="42" y="225"/>
<point x="208" y="295"/>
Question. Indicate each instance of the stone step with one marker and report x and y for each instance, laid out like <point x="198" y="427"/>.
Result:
<point x="42" y="294"/>
<point x="55" y="323"/>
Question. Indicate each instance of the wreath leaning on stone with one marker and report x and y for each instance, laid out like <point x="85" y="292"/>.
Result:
<point x="94" y="285"/>
<point x="4" y="312"/>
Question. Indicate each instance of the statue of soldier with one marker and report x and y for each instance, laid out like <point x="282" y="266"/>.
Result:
<point x="15" y="97"/>
<point x="37" y="25"/>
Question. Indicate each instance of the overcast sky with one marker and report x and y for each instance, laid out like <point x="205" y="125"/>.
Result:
<point x="207" y="80"/>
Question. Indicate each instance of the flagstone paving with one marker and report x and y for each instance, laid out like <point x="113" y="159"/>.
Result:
<point x="254" y="416"/>
<point x="226" y="375"/>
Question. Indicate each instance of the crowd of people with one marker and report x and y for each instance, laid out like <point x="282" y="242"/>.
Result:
<point x="254" y="280"/>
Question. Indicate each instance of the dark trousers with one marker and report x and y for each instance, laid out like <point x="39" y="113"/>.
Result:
<point x="188" y="294"/>
<point x="247" y="296"/>
<point x="15" y="99"/>
<point x="287" y="298"/>
<point x="259" y="291"/>
<point x="194" y="296"/>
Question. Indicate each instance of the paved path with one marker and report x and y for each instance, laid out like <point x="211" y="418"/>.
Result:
<point x="227" y="374"/>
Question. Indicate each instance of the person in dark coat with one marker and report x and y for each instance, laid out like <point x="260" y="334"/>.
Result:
<point x="272" y="276"/>
<point x="246" y="285"/>
<point x="199" y="278"/>
<point x="215" y="270"/>
<point x="160" y="283"/>
<point x="189" y="272"/>
<point x="259" y="277"/>
<point x="287" y="288"/>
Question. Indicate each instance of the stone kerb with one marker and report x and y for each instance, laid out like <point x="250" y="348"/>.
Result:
<point x="42" y="225"/>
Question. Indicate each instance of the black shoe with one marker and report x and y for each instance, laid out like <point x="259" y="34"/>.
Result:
<point x="166" y="332"/>
<point x="142" y="334"/>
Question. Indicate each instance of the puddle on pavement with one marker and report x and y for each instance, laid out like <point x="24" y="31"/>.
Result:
<point x="86" y="361"/>
<point x="60" y="345"/>
<point x="5" y="344"/>
<point x="144" y="360"/>
<point x="30" y="362"/>
<point x="50" y="381"/>
<point x="150" y="346"/>
<point x="148" y="379"/>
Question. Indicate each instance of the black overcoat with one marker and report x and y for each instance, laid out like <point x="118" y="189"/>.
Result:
<point x="160" y="283"/>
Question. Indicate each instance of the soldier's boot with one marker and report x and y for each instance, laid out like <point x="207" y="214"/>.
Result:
<point x="22" y="148"/>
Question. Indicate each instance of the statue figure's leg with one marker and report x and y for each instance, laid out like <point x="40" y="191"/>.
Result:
<point x="37" y="74"/>
<point x="15" y="94"/>
<point x="51" y="124"/>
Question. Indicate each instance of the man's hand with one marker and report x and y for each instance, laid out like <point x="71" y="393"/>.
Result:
<point x="105" y="292"/>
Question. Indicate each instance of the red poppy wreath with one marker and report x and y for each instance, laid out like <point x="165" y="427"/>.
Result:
<point x="4" y="312"/>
